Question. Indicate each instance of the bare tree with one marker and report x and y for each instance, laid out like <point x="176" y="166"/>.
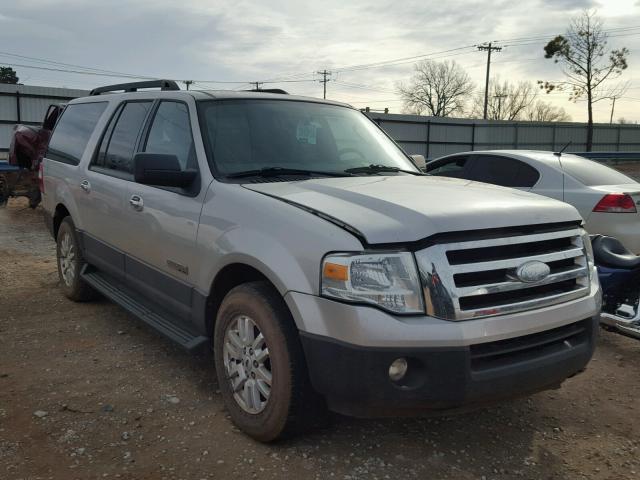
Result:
<point x="507" y="101"/>
<point x="586" y="63"/>
<point x="541" y="111"/>
<point x="439" y="89"/>
<point x="624" y="121"/>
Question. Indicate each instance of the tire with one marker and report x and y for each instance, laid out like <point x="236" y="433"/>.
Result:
<point x="291" y="405"/>
<point x="70" y="262"/>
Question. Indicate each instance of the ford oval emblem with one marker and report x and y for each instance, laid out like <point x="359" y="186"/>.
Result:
<point x="532" y="272"/>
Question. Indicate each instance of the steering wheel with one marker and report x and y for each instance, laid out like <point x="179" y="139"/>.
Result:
<point x="357" y="153"/>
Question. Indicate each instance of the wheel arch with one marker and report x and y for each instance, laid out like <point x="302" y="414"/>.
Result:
<point x="59" y="214"/>
<point x="229" y="277"/>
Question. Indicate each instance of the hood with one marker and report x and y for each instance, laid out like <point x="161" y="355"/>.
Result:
<point x="405" y="208"/>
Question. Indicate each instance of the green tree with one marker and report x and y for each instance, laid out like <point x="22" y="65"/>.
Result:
<point x="586" y="63"/>
<point x="8" y="75"/>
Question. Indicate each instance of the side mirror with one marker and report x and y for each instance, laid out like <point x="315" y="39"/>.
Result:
<point x="419" y="161"/>
<point x="162" y="170"/>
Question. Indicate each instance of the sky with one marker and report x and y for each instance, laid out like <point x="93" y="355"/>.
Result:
<point x="288" y="41"/>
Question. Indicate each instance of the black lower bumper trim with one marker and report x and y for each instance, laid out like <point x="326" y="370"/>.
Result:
<point x="355" y="380"/>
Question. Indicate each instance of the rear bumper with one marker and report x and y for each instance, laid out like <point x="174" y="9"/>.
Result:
<point x="355" y="379"/>
<point x="623" y="226"/>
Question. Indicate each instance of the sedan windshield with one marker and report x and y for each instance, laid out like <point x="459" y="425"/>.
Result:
<point x="286" y="136"/>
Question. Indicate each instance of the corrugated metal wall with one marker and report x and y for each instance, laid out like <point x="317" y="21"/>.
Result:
<point x="429" y="136"/>
<point x="27" y="104"/>
<point x="434" y="137"/>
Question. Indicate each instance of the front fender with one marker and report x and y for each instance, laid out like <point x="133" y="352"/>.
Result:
<point x="264" y="253"/>
<point x="283" y="242"/>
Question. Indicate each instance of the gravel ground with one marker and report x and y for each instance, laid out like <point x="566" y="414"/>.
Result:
<point x="88" y="392"/>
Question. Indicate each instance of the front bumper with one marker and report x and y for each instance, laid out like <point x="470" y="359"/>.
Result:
<point x="355" y="380"/>
<point x="349" y="349"/>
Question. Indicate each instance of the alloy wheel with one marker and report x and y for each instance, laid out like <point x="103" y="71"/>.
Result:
<point x="67" y="259"/>
<point x="247" y="364"/>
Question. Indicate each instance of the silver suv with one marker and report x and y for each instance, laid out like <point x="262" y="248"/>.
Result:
<point x="301" y="243"/>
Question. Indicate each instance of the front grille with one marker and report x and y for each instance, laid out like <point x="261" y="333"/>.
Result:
<point x="477" y="278"/>
<point x="487" y="356"/>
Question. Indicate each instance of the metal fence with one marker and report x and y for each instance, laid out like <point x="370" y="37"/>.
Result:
<point x="429" y="136"/>
<point x="434" y="137"/>
<point x="27" y="104"/>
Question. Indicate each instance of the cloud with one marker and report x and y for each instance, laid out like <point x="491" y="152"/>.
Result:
<point x="251" y="40"/>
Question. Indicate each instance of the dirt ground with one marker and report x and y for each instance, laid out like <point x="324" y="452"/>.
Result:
<point x="88" y="392"/>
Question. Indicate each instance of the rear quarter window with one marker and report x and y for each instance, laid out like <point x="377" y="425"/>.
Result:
<point x="72" y="133"/>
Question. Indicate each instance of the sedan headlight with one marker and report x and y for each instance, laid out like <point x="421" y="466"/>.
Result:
<point x="388" y="280"/>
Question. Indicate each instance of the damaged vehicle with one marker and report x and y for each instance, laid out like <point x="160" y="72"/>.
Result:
<point x="297" y="240"/>
<point x="21" y="175"/>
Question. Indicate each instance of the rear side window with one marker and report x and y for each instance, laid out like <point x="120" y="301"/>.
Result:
<point x="72" y="133"/>
<point x="590" y="173"/>
<point x="170" y="133"/>
<point x="452" y="167"/>
<point x="119" y="141"/>
<point x="503" y="171"/>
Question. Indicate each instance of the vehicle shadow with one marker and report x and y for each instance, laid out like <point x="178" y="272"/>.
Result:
<point x="523" y="438"/>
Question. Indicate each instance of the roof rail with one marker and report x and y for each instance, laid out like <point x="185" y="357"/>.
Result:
<point x="134" y="86"/>
<point x="268" y="90"/>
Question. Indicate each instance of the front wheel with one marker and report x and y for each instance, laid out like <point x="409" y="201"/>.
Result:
<point x="260" y="364"/>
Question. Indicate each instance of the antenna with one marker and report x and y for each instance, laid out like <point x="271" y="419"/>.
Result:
<point x="559" y="154"/>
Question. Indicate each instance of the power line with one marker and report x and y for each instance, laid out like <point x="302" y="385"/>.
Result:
<point x="398" y="61"/>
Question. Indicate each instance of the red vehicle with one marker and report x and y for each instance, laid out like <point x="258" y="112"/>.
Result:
<point x="28" y="146"/>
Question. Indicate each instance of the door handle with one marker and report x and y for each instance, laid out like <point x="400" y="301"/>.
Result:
<point x="136" y="202"/>
<point x="85" y="185"/>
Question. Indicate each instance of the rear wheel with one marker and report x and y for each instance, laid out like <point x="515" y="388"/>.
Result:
<point x="260" y="364"/>
<point x="70" y="263"/>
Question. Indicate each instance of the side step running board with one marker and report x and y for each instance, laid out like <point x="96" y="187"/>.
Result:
<point x="122" y="296"/>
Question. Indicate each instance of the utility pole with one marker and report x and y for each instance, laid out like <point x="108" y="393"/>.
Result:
<point x="499" y="97"/>
<point x="187" y="83"/>
<point x="324" y="81"/>
<point x="613" y="106"/>
<point x="489" y="48"/>
<point x="257" y="84"/>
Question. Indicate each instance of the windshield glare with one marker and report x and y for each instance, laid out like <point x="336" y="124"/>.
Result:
<point x="248" y="135"/>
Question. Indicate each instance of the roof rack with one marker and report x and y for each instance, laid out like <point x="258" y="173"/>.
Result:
<point x="134" y="86"/>
<point x="268" y="90"/>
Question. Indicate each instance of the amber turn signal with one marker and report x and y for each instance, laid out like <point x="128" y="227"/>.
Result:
<point x="335" y="271"/>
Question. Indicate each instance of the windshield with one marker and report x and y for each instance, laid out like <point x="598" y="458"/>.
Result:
<point x="592" y="173"/>
<point x="246" y="135"/>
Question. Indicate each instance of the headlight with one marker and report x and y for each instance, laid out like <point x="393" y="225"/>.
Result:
<point x="388" y="280"/>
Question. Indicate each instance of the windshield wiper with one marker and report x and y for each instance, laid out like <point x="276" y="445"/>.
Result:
<point x="278" y="171"/>
<point x="373" y="168"/>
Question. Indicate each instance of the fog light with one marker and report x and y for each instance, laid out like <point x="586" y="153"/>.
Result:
<point x="398" y="369"/>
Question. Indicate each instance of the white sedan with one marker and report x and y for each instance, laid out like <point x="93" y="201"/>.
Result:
<point x="606" y="198"/>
